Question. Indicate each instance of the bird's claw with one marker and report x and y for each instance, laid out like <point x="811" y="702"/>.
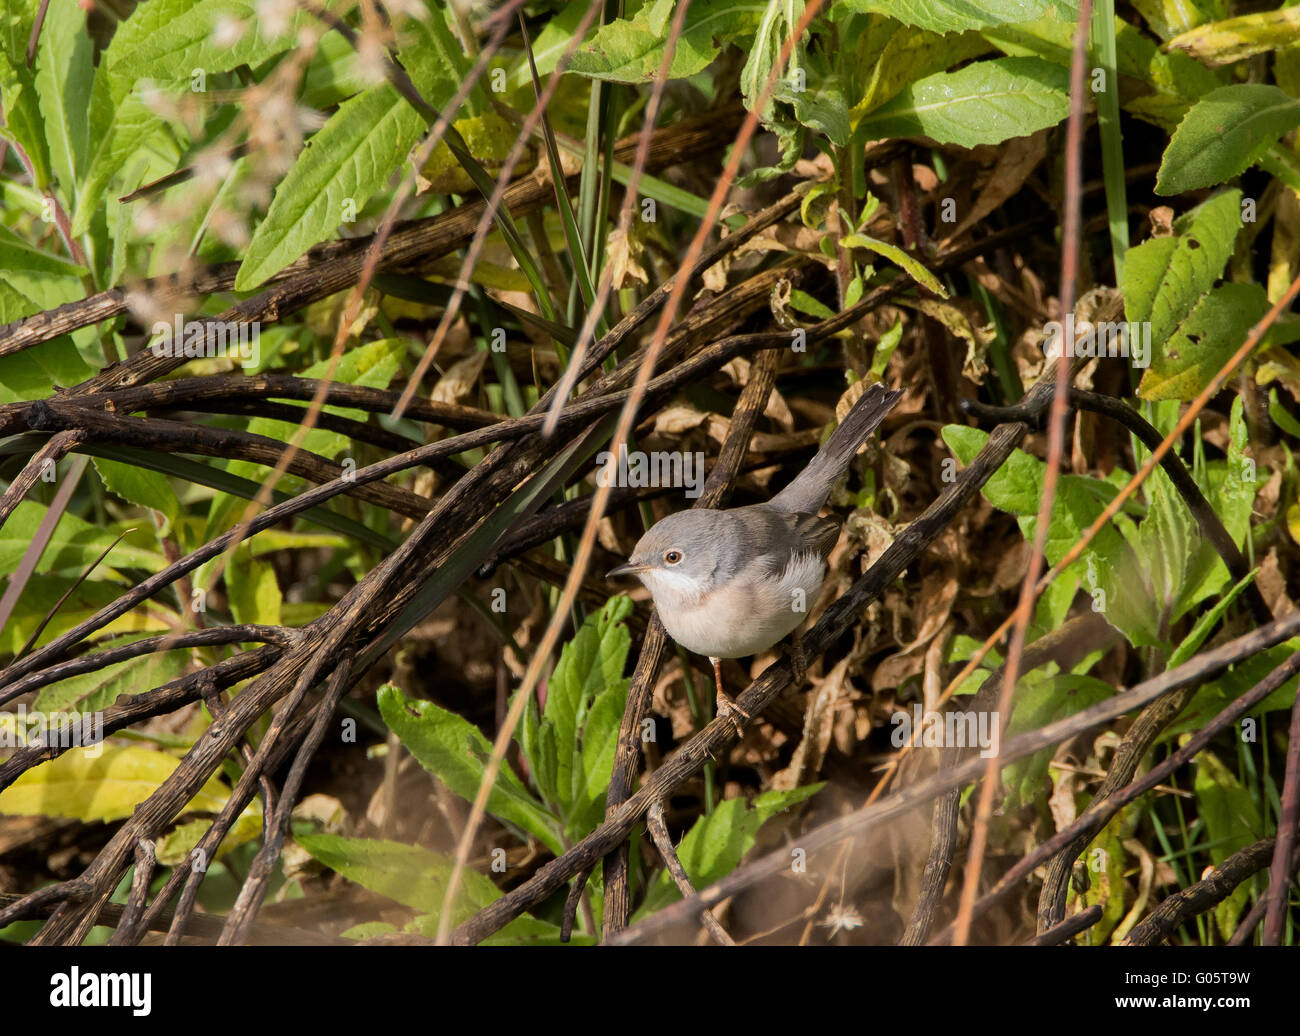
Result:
<point x="729" y="708"/>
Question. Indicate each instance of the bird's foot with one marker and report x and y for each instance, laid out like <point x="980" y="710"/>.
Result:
<point x="729" y="708"/>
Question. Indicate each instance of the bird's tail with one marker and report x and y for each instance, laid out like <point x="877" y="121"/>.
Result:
<point x="808" y="492"/>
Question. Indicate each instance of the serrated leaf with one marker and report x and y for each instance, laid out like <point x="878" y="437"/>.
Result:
<point x="1223" y="134"/>
<point x="213" y="36"/>
<point x="139" y="486"/>
<point x="348" y="159"/>
<point x="64" y="74"/>
<point x="353" y="155"/>
<point x="590" y="666"/>
<point x="986" y="102"/>
<point x="455" y="751"/>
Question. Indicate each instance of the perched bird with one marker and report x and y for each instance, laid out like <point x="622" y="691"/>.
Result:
<point x="731" y="583"/>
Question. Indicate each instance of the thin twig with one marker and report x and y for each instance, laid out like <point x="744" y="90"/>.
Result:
<point x="654" y="820"/>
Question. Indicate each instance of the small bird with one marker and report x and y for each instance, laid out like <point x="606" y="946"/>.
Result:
<point x="731" y="583"/>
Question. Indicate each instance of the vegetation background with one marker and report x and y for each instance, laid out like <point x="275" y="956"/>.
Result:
<point x="337" y="598"/>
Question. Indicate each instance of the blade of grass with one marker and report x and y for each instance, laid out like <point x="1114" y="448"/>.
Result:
<point x="32" y="555"/>
<point x="577" y="254"/>
<point x="215" y="478"/>
<point x="1112" y="143"/>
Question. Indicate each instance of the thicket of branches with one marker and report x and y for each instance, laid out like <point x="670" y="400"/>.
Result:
<point x="336" y="598"/>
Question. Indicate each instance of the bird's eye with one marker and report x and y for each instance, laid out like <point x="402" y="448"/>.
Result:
<point x="672" y="556"/>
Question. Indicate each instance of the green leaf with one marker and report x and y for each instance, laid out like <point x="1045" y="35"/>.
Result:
<point x="1165" y="277"/>
<point x="631" y="50"/>
<point x="1205" y="339"/>
<point x="175" y="847"/>
<point x="103" y="782"/>
<point x="1234" y="39"/>
<point x="986" y="102"/>
<point x="372" y="365"/>
<point x="407" y="874"/>
<point x="1232" y="823"/>
<point x="254" y="592"/>
<point x="44" y="592"/>
<point x="805" y="303"/>
<point x="64" y="73"/>
<point x="910" y="54"/>
<point x="1223" y="134"/>
<point x="1105" y="858"/>
<point x="1217" y="695"/>
<point x="75" y="543"/>
<point x="19" y="257"/>
<point x="718" y="841"/>
<point x="161" y="49"/>
<point x="456" y="752"/>
<point x="897" y="256"/>
<point x="956" y="15"/>
<point x="417" y="878"/>
<point x="34" y="373"/>
<point x="348" y="159"/>
<point x="140" y="486"/>
<point x="22" y="120"/>
<point x="94" y="692"/>
<point x="1206" y="623"/>
<point x="200" y="38"/>
<point x="1108" y="568"/>
<point x="354" y="154"/>
<point x="129" y="122"/>
<point x="590" y="669"/>
<point x="1041" y="700"/>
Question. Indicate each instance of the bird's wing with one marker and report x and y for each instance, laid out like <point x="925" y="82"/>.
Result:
<point x="775" y="532"/>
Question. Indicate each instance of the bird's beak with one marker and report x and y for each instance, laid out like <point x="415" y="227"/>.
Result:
<point x="627" y="569"/>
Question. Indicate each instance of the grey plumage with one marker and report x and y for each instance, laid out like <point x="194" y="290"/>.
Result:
<point x="731" y="583"/>
<point x="810" y="488"/>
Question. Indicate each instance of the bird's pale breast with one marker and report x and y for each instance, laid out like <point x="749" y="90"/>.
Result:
<point x="753" y="611"/>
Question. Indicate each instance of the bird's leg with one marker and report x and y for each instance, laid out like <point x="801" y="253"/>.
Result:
<point x="726" y="705"/>
<point x="798" y="660"/>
